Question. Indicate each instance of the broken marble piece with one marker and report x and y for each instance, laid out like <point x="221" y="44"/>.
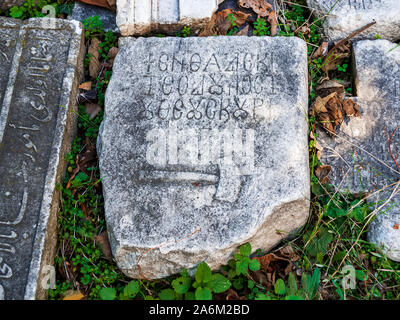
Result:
<point x="140" y="17"/>
<point x="82" y="11"/>
<point x="40" y="63"/>
<point x="346" y="16"/>
<point x="203" y="147"/>
<point x="363" y="154"/>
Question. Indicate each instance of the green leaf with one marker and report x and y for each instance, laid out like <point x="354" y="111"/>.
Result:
<point x="292" y="284"/>
<point x="315" y="282"/>
<point x="203" y="294"/>
<point x="262" y="296"/>
<point x="108" y="294"/>
<point x="245" y="249"/>
<point x="280" y="287"/>
<point x="254" y="265"/>
<point x="241" y="267"/>
<point x="181" y="285"/>
<point x="360" y="275"/>
<point x="190" y="296"/>
<point x="293" y="297"/>
<point x="219" y="283"/>
<point x="203" y="273"/>
<point x="132" y="289"/>
<point x="167" y="294"/>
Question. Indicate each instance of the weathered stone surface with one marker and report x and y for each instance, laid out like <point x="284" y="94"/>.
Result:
<point x="39" y="64"/>
<point x="82" y="11"/>
<point x="7" y="4"/>
<point x="360" y="155"/>
<point x="139" y="17"/>
<point x="350" y="15"/>
<point x="203" y="148"/>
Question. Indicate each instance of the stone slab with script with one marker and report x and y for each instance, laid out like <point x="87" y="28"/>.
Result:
<point x="138" y="17"/>
<point x="346" y="16"/>
<point x="203" y="148"/>
<point x="40" y="60"/>
<point x="363" y="153"/>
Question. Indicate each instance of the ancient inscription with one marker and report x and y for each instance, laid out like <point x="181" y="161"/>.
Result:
<point x="28" y="125"/>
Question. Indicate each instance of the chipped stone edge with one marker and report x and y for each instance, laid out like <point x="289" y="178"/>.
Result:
<point x="44" y="246"/>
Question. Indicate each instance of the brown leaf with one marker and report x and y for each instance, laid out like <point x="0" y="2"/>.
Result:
<point x="243" y="32"/>
<point x="73" y="295"/>
<point x="261" y="7"/>
<point x="104" y="243"/>
<point x="219" y="24"/>
<point x="99" y="3"/>
<point x="321" y="51"/>
<point x="112" y="4"/>
<point x="93" y="51"/>
<point x="86" y="85"/>
<point x="322" y="173"/>
<point x="92" y="109"/>
<point x="112" y="53"/>
<point x="396" y="226"/>
<point x="336" y="56"/>
<point x="273" y="21"/>
<point x="351" y="108"/>
<point x="329" y="86"/>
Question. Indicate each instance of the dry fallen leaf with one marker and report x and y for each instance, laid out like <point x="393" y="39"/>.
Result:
<point x="112" y="4"/>
<point x="112" y="53"/>
<point x="261" y="7"/>
<point x="321" y="51"/>
<point x="329" y="86"/>
<point x="86" y="85"/>
<point x="243" y="32"/>
<point x="104" y="243"/>
<point x="273" y="21"/>
<point x="336" y="56"/>
<point x="99" y="3"/>
<point x="94" y="64"/>
<point x="73" y="295"/>
<point x="92" y="109"/>
<point x="219" y="23"/>
<point x="396" y="226"/>
<point x="322" y="173"/>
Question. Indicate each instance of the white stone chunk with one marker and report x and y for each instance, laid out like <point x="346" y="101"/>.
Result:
<point x="349" y="15"/>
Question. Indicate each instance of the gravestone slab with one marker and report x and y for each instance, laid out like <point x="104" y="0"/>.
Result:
<point x="203" y="148"/>
<point x="40" y="60"/>
<point x="360" y="156"/>
<point x="7" y="4"/>
<point x="139" y="17"/>
<point x="82" y="11"/>
<point x="349" y="15"/>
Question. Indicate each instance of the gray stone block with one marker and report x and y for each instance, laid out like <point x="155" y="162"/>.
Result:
<point x="40" y="62"/>
<point x="360" y="155"/>
<point x="349" y="15"/>
<point x="82" y="11"/>
<point x="203" y="148"/>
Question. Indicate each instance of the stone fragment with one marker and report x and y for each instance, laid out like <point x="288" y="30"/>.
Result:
<point x="360" y="155"/>
<point x="40" y="62"/>
<point x="82" y="11"/>
<point x="203" y="148"/>
<point x="7" y="4"/>
<point x="139" y="17"/>
<point x="349" y="15"/>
